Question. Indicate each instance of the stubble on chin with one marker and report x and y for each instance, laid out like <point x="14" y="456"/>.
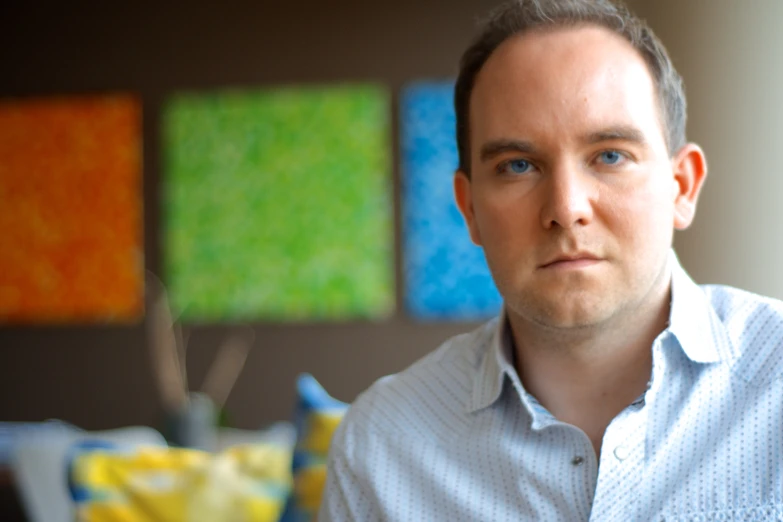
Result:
<point x="579" y="310"/>
<point x="577" y="301"/>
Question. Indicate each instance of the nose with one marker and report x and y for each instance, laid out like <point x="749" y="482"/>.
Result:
<point x="568" y="199"/>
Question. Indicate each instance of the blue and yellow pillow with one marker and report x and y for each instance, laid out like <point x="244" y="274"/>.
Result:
<point x="317" y="417"/>
<point x="260" y="482"/>
<point x="245" y="483"/>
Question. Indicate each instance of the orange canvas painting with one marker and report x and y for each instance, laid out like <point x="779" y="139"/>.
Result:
<point x="71" y="210"/>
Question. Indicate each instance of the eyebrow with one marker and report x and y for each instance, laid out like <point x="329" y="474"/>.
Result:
<point x="617" y="133"/>
<point x="496" y="147"/>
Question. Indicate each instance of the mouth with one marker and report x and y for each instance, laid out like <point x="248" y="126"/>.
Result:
<point x="574" y="261"/>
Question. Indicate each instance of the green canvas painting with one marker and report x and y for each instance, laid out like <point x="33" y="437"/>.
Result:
<point x="277" y="204"/>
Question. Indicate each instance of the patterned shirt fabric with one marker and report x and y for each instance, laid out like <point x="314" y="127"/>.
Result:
<point x="456" y="437"/>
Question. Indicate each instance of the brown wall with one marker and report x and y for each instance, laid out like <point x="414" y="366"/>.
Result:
<point x="730" y="54"/>
<point x="100" y="377"/>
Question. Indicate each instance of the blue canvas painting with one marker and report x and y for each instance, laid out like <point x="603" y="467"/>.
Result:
<point x="445" y="274"/>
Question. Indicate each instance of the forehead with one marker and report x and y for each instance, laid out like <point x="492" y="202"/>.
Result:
<point x="563" y="82"/>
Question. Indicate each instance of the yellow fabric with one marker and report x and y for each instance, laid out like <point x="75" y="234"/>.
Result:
<point x="242" y="484"/>
<point x="309" y="486"/>
<point x="318" y="433"/>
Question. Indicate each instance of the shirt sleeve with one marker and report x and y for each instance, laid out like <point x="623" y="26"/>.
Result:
<point x="347" y="497"/>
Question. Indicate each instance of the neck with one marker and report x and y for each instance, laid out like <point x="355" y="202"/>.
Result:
<point x="587" y="376"/>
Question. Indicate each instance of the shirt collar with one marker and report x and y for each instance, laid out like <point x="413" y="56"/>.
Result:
<point x="495" y="364"/>
<point x="692" y="321"/>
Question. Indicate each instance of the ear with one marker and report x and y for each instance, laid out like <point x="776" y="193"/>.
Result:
<point x="464" y="198"/>
<point x="690" y="170"/>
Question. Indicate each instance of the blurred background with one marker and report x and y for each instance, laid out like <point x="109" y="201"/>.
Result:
<point x="100" y="376"/>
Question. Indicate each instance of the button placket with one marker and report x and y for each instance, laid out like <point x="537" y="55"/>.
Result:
<point x="620" y="468"/>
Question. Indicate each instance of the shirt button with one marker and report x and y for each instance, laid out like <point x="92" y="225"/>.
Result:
<point x="621" y="452"/>
<point x="576" y="461"/>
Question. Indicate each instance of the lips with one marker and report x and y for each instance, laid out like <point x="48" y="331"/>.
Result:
<point x="571" y="260"/>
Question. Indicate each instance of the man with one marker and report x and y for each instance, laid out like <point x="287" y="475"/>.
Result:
<point x="612" y="387"/>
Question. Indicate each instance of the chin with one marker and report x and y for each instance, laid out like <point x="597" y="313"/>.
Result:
<point x="567" y="321"/>
<point x="572" y="322"/>
<point x="561" y="315"/>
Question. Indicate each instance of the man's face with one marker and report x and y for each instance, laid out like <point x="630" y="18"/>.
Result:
<point x="573" y="193"/>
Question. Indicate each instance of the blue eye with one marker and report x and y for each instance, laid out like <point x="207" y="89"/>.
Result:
<point x="518" y="166"/>
<point x="611" y="157"/>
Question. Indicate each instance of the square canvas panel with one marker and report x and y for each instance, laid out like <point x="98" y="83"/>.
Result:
<point x="71" y="218"/>
<point x="278" y="204"/>
<point x="446" y="275"/>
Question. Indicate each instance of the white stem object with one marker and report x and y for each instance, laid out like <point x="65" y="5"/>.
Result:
<point x="228" y="364"/>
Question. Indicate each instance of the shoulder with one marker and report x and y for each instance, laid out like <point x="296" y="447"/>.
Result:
<point x="733" y="303"/>
<point x="745" y="315"/>
<point x="429" y="398"/>
<point x="754" y="326"/>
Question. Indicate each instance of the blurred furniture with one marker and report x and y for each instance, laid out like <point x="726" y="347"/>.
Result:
<point x="39" y="467"/>
<point x="40" y="462"/>
<point x="10" y="509"/>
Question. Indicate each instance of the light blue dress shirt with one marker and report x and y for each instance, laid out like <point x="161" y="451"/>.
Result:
<point x="456" y="437"/>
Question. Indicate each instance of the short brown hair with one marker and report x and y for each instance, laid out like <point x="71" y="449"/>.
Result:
<point x="520" y="16"/>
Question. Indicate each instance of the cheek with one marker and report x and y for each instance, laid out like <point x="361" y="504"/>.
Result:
<point x="510" y="233"/>
<point x="642" y="217"/>
<point x="504" y="215"/>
